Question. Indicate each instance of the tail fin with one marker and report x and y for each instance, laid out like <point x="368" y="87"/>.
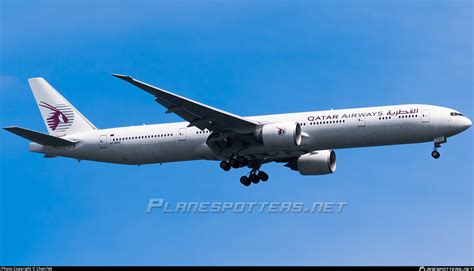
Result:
<point x="60" y="117"/>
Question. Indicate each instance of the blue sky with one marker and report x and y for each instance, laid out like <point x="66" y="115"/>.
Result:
<point x="247" y="58"/>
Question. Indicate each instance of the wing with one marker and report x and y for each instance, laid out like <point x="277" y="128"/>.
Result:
<point x="197" y="114"/>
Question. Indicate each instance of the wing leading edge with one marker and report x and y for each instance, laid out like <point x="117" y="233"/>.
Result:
<point x="197" y="114"/>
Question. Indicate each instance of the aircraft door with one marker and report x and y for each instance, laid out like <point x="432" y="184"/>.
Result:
<point x="361" y="121"/>
<point x="425" y="116"/>
<point x="103" y="142"/>
<point x="182" y="134"/>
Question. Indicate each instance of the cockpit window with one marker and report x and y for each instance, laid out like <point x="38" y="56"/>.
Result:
<point x="456" y="114"/>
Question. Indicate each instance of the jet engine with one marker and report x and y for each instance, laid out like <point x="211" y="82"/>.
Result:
<point x="280" y="135"/>
<point x="315" y="163"/>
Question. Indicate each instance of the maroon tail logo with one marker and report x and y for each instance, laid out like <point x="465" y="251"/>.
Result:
<point x="60" y="116"/>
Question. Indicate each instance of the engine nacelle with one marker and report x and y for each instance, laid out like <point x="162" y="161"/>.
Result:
<point x="281" y="135"/>
<point x="315" y="163"/>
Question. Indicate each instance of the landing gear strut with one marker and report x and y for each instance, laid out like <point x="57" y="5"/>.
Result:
<point x="437" y="144"/>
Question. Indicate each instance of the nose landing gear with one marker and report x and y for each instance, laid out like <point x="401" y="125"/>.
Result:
<point x="437" y="144"/>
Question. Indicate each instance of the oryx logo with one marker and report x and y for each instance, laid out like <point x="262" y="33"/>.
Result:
<point x="60" y="116"/>
<point x="281" y="131"/>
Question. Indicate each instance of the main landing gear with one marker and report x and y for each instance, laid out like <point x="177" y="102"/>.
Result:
<point x="234" y="162"/>
<point x="254" y="176"/>
<point x="437" y="144"/>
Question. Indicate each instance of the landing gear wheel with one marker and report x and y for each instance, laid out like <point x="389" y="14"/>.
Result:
<point x="224" y="165"/>
<point x="244" y="180"/>
<point x="435" y="154"/>
<point x="242" y="161"/>
<point x="234" y="163"/>
<point x="254" y="178"/>
<point x="263" y="176"/>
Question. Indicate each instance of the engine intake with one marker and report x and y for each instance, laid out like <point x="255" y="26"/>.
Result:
<point x="280" y="135"/>
<point x="315" y="163"/>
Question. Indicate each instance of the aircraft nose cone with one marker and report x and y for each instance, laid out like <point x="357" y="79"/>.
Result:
<point x="464" y="123"/>
<point x="468" y="123"/>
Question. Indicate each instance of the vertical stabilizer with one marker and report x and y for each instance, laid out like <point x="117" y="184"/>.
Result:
<point x="60" y="117"/>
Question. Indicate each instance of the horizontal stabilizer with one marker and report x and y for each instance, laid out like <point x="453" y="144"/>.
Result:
<point x="40" y="138"/>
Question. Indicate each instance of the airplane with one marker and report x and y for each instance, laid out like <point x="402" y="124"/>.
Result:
<point x="304" y="141"/>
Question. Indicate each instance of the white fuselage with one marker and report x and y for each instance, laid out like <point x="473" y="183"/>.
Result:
<point x="330" y="129"/>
